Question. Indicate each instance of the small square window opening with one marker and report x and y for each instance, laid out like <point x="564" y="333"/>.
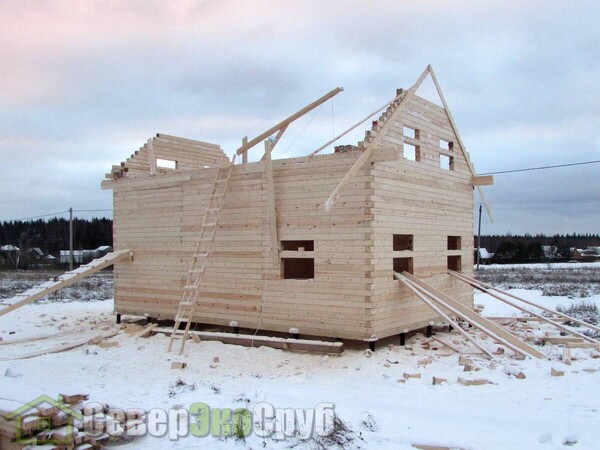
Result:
<point x="402" y="242"/>
<point x="298" y="268"/>
<point x="403" y="265"/>
<point x="454" y="242"/>
<point x="411" y="152"/>
<point x="446" y="162"/>
<point x="166" y="163"/>
<point x="454" y="263"/>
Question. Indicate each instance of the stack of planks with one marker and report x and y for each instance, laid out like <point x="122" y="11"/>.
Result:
<point x="59" y="424"/>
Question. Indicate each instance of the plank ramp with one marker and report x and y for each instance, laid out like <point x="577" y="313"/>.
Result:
<point x="67" y="279"/>
<point x="484" y="287"/>
<point x="248" y="340"/>
<point x="495" y="331"/>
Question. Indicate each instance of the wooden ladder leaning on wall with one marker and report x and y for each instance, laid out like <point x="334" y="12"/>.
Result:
<point x="191" y="290"/>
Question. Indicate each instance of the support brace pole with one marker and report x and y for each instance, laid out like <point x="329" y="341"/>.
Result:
<point x="286" y="122"/>
<point x="366" y="154"/>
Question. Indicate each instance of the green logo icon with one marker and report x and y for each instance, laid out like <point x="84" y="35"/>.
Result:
<point x="29" y="418"/>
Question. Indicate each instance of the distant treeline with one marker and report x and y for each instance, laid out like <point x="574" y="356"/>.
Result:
<point x="52" y="236"/>
<point x="492" y="243"/>
<point x="529" y="248"/>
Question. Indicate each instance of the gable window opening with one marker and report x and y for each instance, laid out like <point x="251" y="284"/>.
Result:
<point x="446" y="145"/>
<point x="446" y="162"/>
<point x="409" y="132"/>
<point x="301" y="267"/>
<point x="411" y="152"/>
<point x="166" y="163"/>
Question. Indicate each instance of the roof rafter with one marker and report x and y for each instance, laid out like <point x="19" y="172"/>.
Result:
<point x="374" y="143"/>
<point x="284" y="123"/>
<point x="460" y="141"/>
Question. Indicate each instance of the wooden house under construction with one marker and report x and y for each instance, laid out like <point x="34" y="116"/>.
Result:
<point x="310" y="243"/>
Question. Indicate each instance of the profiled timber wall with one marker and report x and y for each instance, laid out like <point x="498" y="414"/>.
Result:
<point x="421" y="199"/>
<point x="161" y="222"/>
<point x="353" y="294"/>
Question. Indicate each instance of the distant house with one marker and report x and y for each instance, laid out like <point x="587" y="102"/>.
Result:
<point x="588" y="254"/>
<point x="20" y="258"/>
<point x="10" y="253"/>
<point x="84" y="256"/>
<point x="485" y="257"/>
<point x="551" y="251"/>
<point x="35" y="253"/>
<point x="49" y="259"/>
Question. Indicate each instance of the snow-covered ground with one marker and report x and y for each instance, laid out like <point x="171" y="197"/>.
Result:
<point x="493" y="307"/>
<point x="567" y="265"/>
<point x="368" y="390"/>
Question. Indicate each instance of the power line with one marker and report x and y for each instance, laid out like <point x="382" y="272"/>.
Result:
<point x="39" y="217"/>
<point x="306" y="126"/>
<point x="303" y="129"/>
<point x="59" y="213"/>
<point x="92" y="210"/>
<point x="542" y="167"/>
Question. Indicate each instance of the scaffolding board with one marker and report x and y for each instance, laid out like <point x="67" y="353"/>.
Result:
<point x="67" y="279"/>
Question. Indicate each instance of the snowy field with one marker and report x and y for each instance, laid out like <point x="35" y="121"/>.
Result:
<point x="380" y="409"/>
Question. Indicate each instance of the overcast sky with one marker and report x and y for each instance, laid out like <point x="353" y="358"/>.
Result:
<point x="85" y="83"/>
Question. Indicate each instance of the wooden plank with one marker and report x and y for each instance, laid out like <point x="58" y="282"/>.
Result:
<point x="480" y="286"/>
<point x="287" y="121"/>
<point x="65" y="280"/>
<point x="563" y="316"/>
<point x="192" y="142"/>
<point x="408" y="283"/>
<point x="151" y="158"/>
<point x="147" y="331"/>
<point x="245" y="154"/>
<point x="58" y="348"/>
<point x="482" y="180"/>
<point x="39" y="337"/>
<point x="277" y="138"/>
<point x="492" y="329"/>
<point x="267" y="341"/>
<point x="271" y="217"/>
<point x="357" y="124"/>
<point x="463" y="149"/>
<point x="366" y="154"/>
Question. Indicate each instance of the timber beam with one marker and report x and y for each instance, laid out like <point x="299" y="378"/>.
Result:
<point x="284" y="123"/>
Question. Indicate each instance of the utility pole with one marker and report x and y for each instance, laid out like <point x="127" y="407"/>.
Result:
<point x="479" y="238"/>
<point x="71" y="256"/>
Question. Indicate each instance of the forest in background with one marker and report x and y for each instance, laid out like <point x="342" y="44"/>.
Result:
<point x="492" y="243"/>
<point x="52" y="235"/>
<point x="528" y="248"/>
